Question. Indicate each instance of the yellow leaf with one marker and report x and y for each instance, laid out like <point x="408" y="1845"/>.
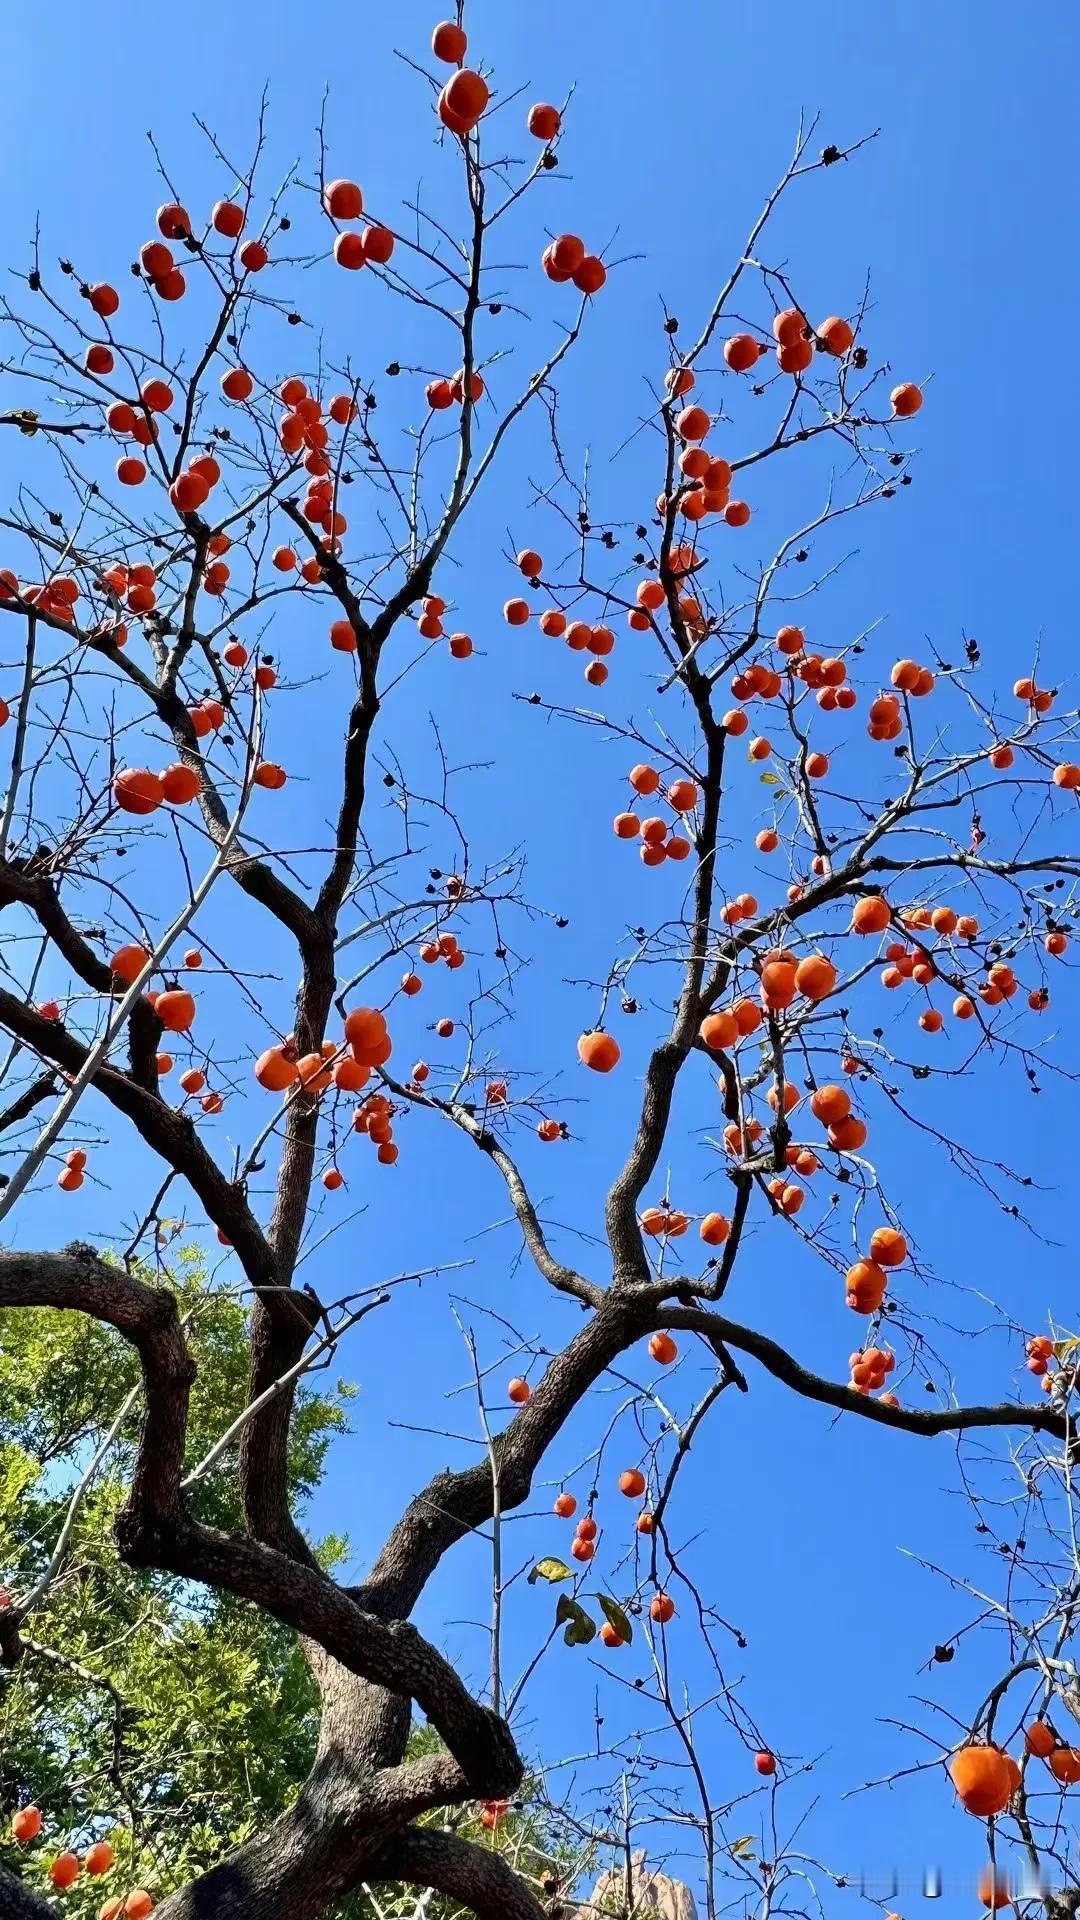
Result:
<point x="550" y="1570"/>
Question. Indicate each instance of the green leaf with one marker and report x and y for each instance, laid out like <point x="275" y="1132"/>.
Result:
<point x="770" y="779"/>
<point x="552" y="1570"/>
<point x="743" y="1848"/>
<point x="580" y="1629"/>
<point x="616" y="1618"/>
<point x="1063" y="1348"/>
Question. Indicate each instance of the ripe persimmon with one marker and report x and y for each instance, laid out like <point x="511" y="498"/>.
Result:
<point x="462" y="100"/>
<point x="180" y="784"/>
<point x="644" y="780"/>
<point x="870" y="914"/>
<point x="789" y="326"/>
<point x="742" y="352"/>
<point x="277" y="1069"/>
<point x="778" y="984"/>
<point x="682" y="795"/>
<point x="815" y="977"/>
<point x="157" y="395"/>
<point x="128" y="962"/>
<point x="795" y="357"/>
<point x="544" y="121"/>
<point x="792" y="1097"/>
<point x="349" y="251"/>
<point x="830" y="1104"/>
<point x="848" y="1135"/>
<point x="993" y="1889"/>
<point x="906" y="400"/>
<point x="175" y="1009"/>
<point x="104" y="299"/>
<point x="610" y="1635"/>
<point x="237" y="384"/>
<point x="1040" y="1739"/>
<point x="268" y="774"/>
<point x="99" y="1857"/>
<point x="567" y="251"/>
<point x="64" y="1870"/>
<point x="378" y="244"/>
<point x="519" y="1391"/>
<point x="888" y="1247"/>
<point x="137" y="790"/>
<point x="1064" y="1764"/>
<point x="714" y="1229"/>
<point x="590" y="276"/>
<point x="765" y="1762"/>
<point x="719" y="1030"/>
<point x="663" y="1349"/>
<point x="600" y="1051"/>
<point x="173" y="221"/>
<point x="449" y="42"/>
<point x="835" y="335"/>
<point x="476" y="387"/>
<point x="564" y="1505"/>
<point x="662" y="1609"/>
<point x="866" y="1283"/>
<point x="26" y="1824"/>
<point x="632" y="1483"/>
<point x="227" y="218"/>
<point x="693" y="423"/>
<point x="981" y="1778"/>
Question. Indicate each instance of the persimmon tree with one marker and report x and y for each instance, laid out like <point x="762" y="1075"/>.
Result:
<point x="219" y="517"/>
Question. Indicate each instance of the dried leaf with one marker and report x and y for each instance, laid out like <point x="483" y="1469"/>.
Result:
<point x="615" y="1616"/>
<point x="580" y="1629"/>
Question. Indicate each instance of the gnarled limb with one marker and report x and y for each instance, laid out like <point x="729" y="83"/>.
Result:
<point x="781" y="1364"/>
<point x="481" y="1880"/>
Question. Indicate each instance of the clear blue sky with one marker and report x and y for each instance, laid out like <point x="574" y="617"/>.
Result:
<point x="963" y="212"/>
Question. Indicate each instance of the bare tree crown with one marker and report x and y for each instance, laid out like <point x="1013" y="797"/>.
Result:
<point x="206" y="478"/>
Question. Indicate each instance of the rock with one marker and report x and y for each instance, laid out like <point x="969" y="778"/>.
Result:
<point x="651" y="1893"/>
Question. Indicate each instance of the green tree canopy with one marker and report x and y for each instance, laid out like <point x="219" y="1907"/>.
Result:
<point x="169" y="1719"/>
<point x="166" y="1717"/>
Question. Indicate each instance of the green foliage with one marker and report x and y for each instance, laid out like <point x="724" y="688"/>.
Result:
<point x="154" y="1709"/>
<point x="172" y="1721"/>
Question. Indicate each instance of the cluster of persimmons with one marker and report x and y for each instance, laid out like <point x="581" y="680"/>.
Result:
<point x="65" y="1868"/>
